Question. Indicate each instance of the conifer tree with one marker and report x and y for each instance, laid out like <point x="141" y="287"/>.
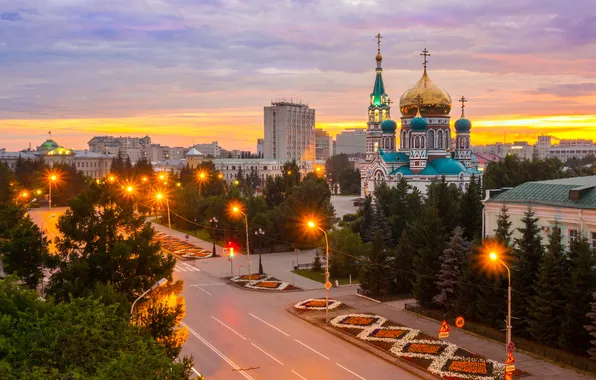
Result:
<point x="574" y="337"/>
<point x="367" y="217"/>
<point x="380" y="225"/>
<point x="467" y="293"/>
<point x="453" y="261"/>
<point x="375" y="274"/>
<point x="428" y="242"/>
<point x="546" y="308"/>
<point x="471" y="210"/>
<point x="491" y="300"/>
<point x="503" y="232"/>
<point x="402" y="266"/>
<point x="317" y="265"/>
<point x="592" y="327"/>
<point x="528" y="255"/>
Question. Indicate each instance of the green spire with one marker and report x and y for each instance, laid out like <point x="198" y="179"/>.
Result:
<point x="378" y="96"/>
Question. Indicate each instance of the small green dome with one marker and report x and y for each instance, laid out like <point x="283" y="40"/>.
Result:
<point x="49" y="144"/>
<point x="418" y="124"/>
<point x="463" y="125"/>
<point x="388" y="126"/>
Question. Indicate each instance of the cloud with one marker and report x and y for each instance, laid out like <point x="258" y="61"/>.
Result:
<point x="568" y="90"/>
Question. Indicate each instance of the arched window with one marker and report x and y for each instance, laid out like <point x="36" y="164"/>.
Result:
<point x="377" y="116"/>
<point x="430" y="136"/>
<point x="439" y="139"/>
<point x="379" y="176"/>
<point x="384" y="114"/>
<point x="446" y="136"/>
<point x="370" y="116"/>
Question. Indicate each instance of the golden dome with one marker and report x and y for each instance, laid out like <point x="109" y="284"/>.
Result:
<point x="379" y="57"/>
<point x="435" y="100"/>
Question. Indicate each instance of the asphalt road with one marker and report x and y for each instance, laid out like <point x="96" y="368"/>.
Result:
<point x="236" y="333"/>
<point x="49" y="226"/>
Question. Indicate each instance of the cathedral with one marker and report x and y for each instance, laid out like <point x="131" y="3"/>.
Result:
<point x="426" y="151"/>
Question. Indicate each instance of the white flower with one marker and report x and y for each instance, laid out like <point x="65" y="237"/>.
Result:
<point x="333" y="304"/>
<point x="254" y="285"/>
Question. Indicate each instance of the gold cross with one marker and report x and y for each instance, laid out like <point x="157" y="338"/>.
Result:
<point x="425" y="53"/>
<point x="389" y="101"/>
<point x="378" y="37"/>
<point x="463" y="100"/>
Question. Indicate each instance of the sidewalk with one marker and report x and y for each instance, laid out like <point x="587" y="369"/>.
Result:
<point x="538" y="369"/>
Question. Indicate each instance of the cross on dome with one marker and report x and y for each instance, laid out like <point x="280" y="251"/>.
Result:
<point x="378" y="37"/>
<point x="426" y="54"/>
<point x="463" y="100"/>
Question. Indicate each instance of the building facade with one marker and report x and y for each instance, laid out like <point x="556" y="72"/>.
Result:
<point x="351" y="142"/>
<point x="289" y="131"/>
<point x="424" y="153"/>
<point x="209" y="150"/>
<point x="323" y="144"/>
<point x="261" y="147"/>
<point x="92" y="164"/>
<point x="568" y="204"/>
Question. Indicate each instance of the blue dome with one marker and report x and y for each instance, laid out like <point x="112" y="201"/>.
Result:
<point x="463" y="125"/>
<point x="388" y="126"/>
<point x="446" y="166"/>
<point x="418" y="124"/>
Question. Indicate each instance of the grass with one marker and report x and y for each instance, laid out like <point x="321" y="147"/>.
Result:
<point x="200" y="233"/>
<point x="320" y="277"/>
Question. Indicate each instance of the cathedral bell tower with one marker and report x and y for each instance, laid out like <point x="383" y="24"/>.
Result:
<point x="463" y="127"/>
<point x="378" y="111"/>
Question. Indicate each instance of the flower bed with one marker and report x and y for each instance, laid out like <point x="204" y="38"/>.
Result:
<point x="436" y="356"/>
<point x="262" y="282"/>
<point x="180" y="247"/>
<point x="317" y="304"/>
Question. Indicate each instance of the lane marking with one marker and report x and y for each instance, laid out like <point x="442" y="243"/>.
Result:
<point x="355" y="374"/>
<point x="210" y="346"/>
<point x="266" y="353"/>
<point x="215" y="284"/>
<point x="312" y="349"/>
<point x="299" y="375"/>
<point x="176" y="269"/>
<point x="190" y="267"/>
<point x="179" y="268"/>
<point x="198" y="287"/>
<point x="231" y="329"/>
<point x="195" y="371"/>
<point x="268" y="324"/>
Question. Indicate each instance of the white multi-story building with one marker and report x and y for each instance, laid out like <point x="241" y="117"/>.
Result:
<point x="289" y="131"/>
<point x="261" y="147"/>
<point x="568" y="204"/>
<point x="566" y="149"/>
<point x="351" y="141"/>
<point x="323" y="144"/>
<point x="92" y="164"/>
<point x="130" y="146"/>
<point x="209" y="150"/>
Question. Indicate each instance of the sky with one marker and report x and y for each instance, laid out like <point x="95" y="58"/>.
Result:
<point x="202" y="70"/>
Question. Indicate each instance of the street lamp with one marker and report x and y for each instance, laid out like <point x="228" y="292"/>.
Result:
<point x="214" y="225"/>
<point x="155" y="286"/>
<point x="201" y="177"/>
<point x="494" y="257"/>
<point x="43" y="275"/>
<point x="259" y="233"/>
<point x="52" y="178"/>
<point x="160" y="197"/>
<point x="237" y="210"/>
<point x="312" y="225"/>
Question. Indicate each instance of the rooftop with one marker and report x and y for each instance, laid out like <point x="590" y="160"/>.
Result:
<point x="576" y="192"/>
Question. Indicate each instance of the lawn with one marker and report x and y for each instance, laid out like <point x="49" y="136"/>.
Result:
<point x="320" y="277"/>
<point x="201" y="233"/>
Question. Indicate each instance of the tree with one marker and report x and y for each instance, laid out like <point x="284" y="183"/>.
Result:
<point x="467" y="289"/>
<point x="546" y="306"/>
<point x="367" y="215"/>
<point x="7" y="184"/>
<point x="380" y="226"/>
<point x="471" y="210"/>
<point x="83" y="339"/>
<point x="591" y="328"/>
<point x="375" y="273"/>
<point x="274" y="191"/>
<point x="317" y="266"/>
<point x="290" y="174"/>
<point x="446" y="199"/>
<point x="349" y="181"/>
<point x="528" y="255"/>
<point x="344" y="247"/>
<point x="23" y="251"/>
<point x="503" y="232"/>
<point x="573" y="336"/>
<point x="453" y="261"/>
<point x="402" y="266"/>
<point x="428" y="241"/>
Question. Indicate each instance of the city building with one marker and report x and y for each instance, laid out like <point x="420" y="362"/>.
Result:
<point x="323" y="144"/>
<point x="209" y="150"/>
<point x="131" y="146"/>
<point x="92" y="164"/>
<point x="542" y="147"/>
<point x="565" y="149"/>
<point x="351" y="142"/>
<point x="424" y="153"/>
<point x="568" y="204"/>
<point x="289" y="131"/>
<point x="261" y="147"/>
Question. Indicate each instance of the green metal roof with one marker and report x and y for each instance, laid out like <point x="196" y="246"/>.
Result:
<point x="552" y="193"/>
<point x="378" y="89"/>
<point x="394" y="156"/>
<point x="447" y="166"/>
<point x="404" y="170"/>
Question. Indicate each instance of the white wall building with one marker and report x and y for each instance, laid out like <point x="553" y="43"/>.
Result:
<point x="323" y="144"/>
<point x="261" y="147"/>
<point x="289" y="131"/>
<point x="209" y="150"/>
<point x="351" y="141"/>
<point x="569" y="204"/>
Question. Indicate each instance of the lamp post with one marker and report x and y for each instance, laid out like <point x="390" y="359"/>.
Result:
<point x="161" y="197"/>
<point x="214" y="225"/>
<point x="201" y="176"/>
<point x="313" y="225"/>
<point x="52" y="178"/>
<point x="237" y="210"/>
<point x="259" y="233"/>
<point x="43" y="275"/>
<point x="155" y="286"/>
<point x="494" y="257"/>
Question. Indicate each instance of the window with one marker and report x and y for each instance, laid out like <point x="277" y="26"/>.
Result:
<point x="594" y="240"/>
<point x="572" y="236"/>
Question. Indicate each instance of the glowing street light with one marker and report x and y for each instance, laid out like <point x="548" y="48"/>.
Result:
<point x="236" y="210"/>
<point x="201" y="177"/>
<point x="312" y="225"/>
<point x="144" y="179"/>
<point x="52" y="178"/>
<point x="493" y="256"/>
<point x="160" y="197"/>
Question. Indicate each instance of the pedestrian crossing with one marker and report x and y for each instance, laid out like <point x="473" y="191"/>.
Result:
<point x="185" y="267"/>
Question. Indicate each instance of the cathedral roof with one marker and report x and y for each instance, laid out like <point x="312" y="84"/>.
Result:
<point x="404" y="170"/>
<point x="435" y="100"/>
<point x="394" y="156"/>
<point x="444" y="166"/>
<point x="388" y="126"/>
<point x="378" y="91"/>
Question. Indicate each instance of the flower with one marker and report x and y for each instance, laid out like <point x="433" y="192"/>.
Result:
<point x="316" y="304"/>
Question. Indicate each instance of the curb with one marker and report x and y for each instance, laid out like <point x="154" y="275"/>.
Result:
<point x="366" y="346"/>
<point x="368" y="298"/>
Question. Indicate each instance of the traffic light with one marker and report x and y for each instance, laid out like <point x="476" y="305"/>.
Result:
<point x="231" y="251"/>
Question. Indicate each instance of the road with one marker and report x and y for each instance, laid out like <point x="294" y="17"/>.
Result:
<point x="236" y="333"/>
<point x="38" y="215"/>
